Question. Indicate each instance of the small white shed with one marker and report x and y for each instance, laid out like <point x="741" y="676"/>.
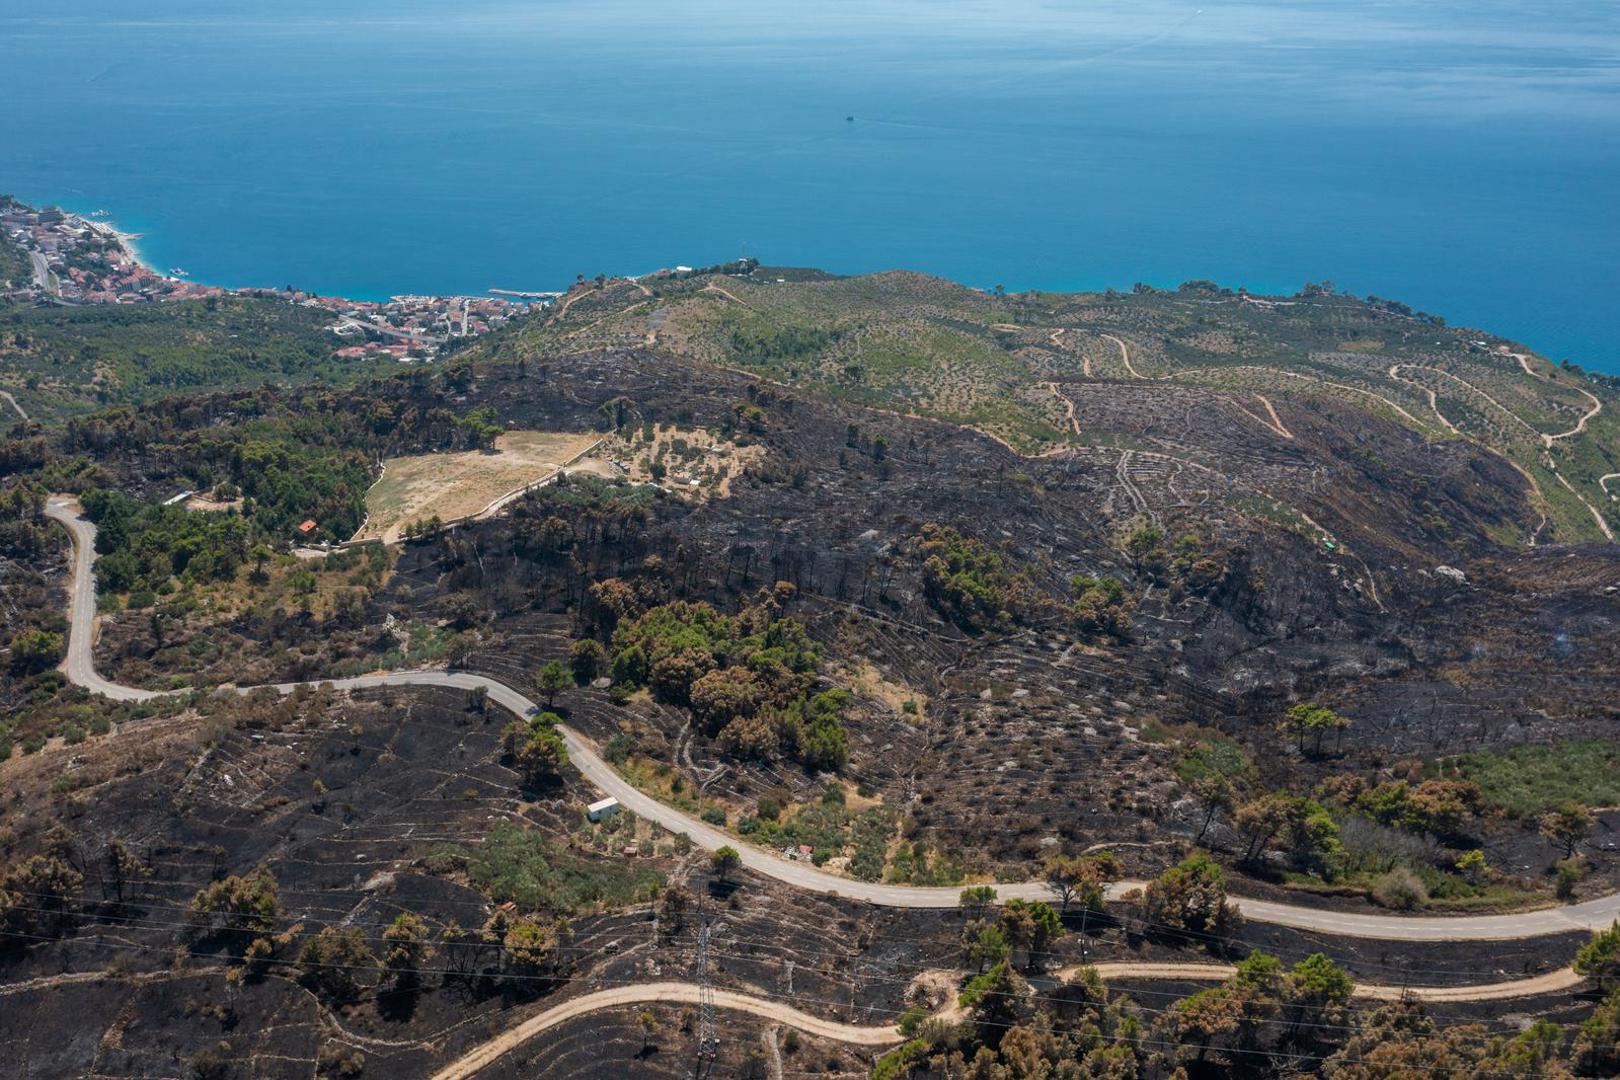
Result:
<point x="602" y="809"/>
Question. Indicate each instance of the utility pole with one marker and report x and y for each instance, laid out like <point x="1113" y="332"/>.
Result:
<point x="708" y="1042"/>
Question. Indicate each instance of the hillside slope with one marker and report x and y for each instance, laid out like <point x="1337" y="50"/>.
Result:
<point x="1049" y="370"/>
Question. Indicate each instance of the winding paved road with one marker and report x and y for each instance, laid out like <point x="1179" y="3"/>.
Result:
<point x="43" y="277"/>
<point x="79" y="667"/>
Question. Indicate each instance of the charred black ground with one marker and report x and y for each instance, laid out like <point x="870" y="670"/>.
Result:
<point x="1299" y="628"/>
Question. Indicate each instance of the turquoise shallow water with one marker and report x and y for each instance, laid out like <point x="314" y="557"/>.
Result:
<point x="1463" y="157"/>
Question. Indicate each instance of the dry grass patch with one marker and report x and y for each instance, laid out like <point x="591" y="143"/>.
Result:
<point x="452" y="486"/>
<point x="208" y="505"/>
<point x="868" y="682"/>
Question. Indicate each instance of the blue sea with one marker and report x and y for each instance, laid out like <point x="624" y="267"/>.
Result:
<point x="1461" y="156"/>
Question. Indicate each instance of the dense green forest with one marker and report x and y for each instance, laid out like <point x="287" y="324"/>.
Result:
<point x="62" y="361"/>
<point x="748" y="679"/>
<point x="288" y="456"/>
<point x="145" y="544"/>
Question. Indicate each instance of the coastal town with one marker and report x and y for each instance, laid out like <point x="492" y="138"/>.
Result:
<point x="78" y="260"/>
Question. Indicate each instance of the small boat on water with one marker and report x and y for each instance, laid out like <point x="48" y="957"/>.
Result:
<point x="177" y="271"/>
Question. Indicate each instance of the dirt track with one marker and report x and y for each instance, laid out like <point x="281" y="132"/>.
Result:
<point x="1552" y="982"/>
<point x="663" y="993"/>
<point x="682" y="993"/>
<point x="1586" y="418"/>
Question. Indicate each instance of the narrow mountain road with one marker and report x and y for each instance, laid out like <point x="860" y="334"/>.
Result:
<point x="567" y="302"/>
<point x="43" y="278"/>
<point x="1529" y="428"/>
<point x="1546" y="439"/>
<point x="1551" y="983"/>
<point x="1273" y="425"/>
<point x="733" y="297"/>
<point x="22" y="412"/>
<point x="80" y="978"/>
<point x="1276" y="421"/>
<point x="1380" y="398"/>
<point x="1125" y="355"/>
<point x="1122" y="473"/>
<point x="683" y="993"/>
<point x="1278" y="425"/>
<point x="1580" y="425"/>
<point x="1434" y="400"/>
<point x="487" y="1053"/>
<point x="1603" y="526"/>
<point x="1586" y="418"/>
<point x="660" y="993"/>
<point x="1068" y="405"/>
<point x="1085" y="361"/>
<point x="79" y="667"/>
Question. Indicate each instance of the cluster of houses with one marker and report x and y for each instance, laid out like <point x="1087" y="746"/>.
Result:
<point x="82" y="260"/>
<point x="411" y="326"/>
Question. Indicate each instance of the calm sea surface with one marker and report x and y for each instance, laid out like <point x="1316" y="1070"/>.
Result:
<point x="1463" y="157"/>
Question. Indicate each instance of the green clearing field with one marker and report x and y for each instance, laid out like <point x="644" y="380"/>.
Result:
<point x="64" y="361"/>
<point x="1529" y="779"/>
